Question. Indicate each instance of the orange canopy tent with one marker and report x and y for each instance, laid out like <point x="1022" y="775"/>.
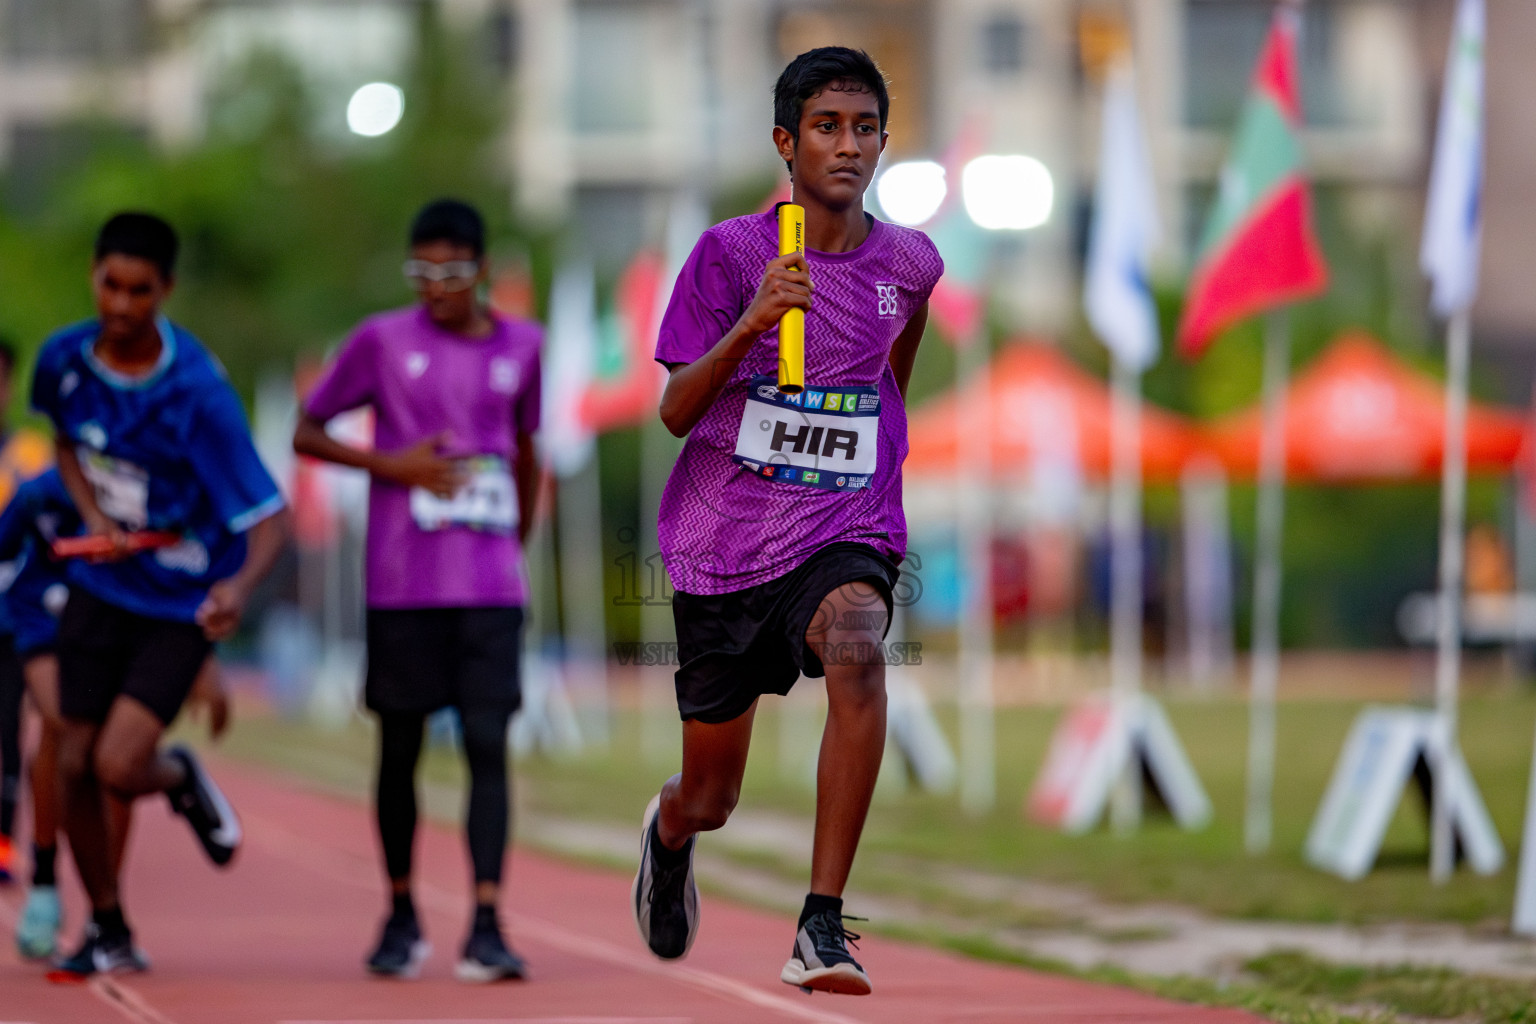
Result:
<point x="1359" y="414"/>
<point x="1036" y="390"/>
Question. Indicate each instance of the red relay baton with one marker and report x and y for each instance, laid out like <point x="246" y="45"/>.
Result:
<point x="95" y="545"/>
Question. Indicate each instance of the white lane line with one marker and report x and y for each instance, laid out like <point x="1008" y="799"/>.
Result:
<point x="506" y="1020"/>
<point x="110" y="991"/>
<point x="126" y="1001"/>
<point x="344" y="867"/>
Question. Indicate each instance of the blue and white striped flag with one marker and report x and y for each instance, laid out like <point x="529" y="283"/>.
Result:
<point x="1453" y="223"/>
<point x="1125" y="230"/>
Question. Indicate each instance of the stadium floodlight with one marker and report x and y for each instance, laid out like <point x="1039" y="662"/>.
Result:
<point x="375" y="108"/>
<point x="1007" y="193"/>
<point x="912" y="191"/>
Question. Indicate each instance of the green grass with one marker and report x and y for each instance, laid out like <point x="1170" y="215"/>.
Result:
<point x="1415" y="991"/>
<point x="1206" y="869"/>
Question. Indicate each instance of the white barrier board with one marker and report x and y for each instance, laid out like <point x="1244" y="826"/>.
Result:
<point x="1379" y="757"/>
<point x="1094" y="745"/>
<point x="1525" y="889"/>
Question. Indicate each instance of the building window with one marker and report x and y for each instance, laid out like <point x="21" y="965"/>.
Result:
<point x="1222" y="39"/>
<point x="610" y="89"/>
<point x="1003" y="40"/>
<point x="74" y="29"/>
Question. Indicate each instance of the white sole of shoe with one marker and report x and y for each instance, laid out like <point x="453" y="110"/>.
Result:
<point x="476" y="973"/>
<point x="420" y="951"/>
<point x="842" y="979"/>
<point x="645" y="851"/>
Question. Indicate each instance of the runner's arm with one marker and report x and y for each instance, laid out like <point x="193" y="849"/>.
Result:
<point x="81" y="492"/>
<point x="221" y="610"/>
<point x="693" y="387"/>
<point x="525" y="476"/>
<point x="904" y="351"/>
<point x="418" y="466"/>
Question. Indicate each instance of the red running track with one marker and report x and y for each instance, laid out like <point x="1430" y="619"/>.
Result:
<point x="280" y="938"/>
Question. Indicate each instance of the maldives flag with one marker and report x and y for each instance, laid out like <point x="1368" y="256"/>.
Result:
<point x="1259" y="249"/>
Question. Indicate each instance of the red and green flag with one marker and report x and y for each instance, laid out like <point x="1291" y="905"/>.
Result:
<point x="1259" y="249"/>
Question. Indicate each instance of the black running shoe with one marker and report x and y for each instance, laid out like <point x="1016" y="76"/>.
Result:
<point x="665" y="897"/>
<point x="820" y="961"/>
<point x="487" y="958"/>
<point x="204" y="806"/>
<point x="401" y="949"/>
<point x="100" y="954"/>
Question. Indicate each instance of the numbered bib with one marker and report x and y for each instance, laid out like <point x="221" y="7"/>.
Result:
<point x="121" y="488"/>
<point x="486" y="501"/>
<point x="822" y="437"/>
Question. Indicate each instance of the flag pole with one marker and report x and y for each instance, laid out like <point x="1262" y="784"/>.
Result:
<point x="1264" y="658"/>
<point x="978" y="782"/>
<point x="1448" y="633"/>
<point x="1126" y="579"/>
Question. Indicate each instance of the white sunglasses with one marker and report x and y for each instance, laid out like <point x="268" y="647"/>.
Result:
<point x="454" y="275"/>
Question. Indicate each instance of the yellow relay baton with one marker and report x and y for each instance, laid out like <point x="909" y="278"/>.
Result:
<point x="792" y="323"/>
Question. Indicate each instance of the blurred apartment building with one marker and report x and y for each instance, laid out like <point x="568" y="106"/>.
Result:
<point x="622" y="106"/>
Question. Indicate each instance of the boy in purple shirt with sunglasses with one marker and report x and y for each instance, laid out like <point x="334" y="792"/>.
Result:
<point x="454" y="388"/>
<point x="781" y="524"/>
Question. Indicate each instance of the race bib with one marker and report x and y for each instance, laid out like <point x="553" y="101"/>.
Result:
<point x="486" y="501"/>
<point x="121" y="488"/>
<point x="822" y="437"/>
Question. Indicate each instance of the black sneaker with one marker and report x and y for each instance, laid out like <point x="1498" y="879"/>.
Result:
<point x="100" y="954"/>
<point x="401" y="949"/>
<point x="820" y="961"/>
<point x="204" y="806"/>
<point x="487" y="958"/>
<point x="665" y="897"/>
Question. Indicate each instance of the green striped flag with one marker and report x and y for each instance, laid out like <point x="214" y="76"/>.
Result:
<point x="1259" y="249"/>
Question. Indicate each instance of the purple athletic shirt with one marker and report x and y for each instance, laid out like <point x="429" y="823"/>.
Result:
<point x="723" y="526"/>
<point x="421" y="380"/>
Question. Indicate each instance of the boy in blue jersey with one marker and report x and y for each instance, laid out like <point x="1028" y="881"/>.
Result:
<point x="150" y="436"/>
<point x="40" y="513"/>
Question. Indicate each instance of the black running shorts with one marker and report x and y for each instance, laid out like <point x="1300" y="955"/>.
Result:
<point x="733" y="648"/>
<point x="106" y="651"/>
<point x="422" y="659"/>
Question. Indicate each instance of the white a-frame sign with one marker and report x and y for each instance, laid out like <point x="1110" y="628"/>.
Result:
<point x="1091" y="751"/>
<point x="1387" y="747"/>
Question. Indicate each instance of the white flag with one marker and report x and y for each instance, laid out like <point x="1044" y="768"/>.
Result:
<point x="569" y="362"/>
<point x="1453" y="223"/>
<point x="1117" y="298"/>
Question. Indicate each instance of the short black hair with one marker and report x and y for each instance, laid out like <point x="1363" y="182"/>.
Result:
<point x="812" y="71"/>
<point x="450" y="220"/>
<point x="143" y="235"/>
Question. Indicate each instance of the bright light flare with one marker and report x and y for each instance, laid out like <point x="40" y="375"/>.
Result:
<point x="1007" y="193"/>
<point x="912" y="191"/>
<point x="375" y="108"/>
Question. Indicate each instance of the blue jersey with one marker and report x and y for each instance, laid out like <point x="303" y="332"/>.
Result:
<point x="169" y="450"/>
<point x="40" y="513"/>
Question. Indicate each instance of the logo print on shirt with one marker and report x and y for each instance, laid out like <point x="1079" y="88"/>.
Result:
<point x="834" y="402"/>
<point x="889" y="301"/>
<point x="504" y="376"/>
<point x="813" y="399"/>
<point x="93" y="435"/>
<point x="67" y="385"/>
<point x="416" y="363"/>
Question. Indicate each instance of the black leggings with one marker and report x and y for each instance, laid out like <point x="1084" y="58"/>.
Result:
<point x="12" y="686"/>
<point x="489" y="812"/>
